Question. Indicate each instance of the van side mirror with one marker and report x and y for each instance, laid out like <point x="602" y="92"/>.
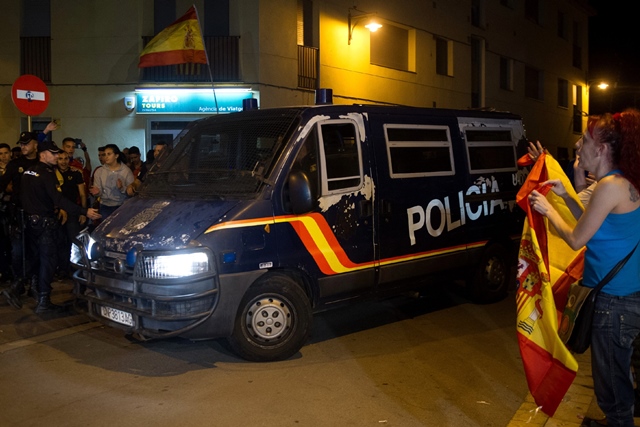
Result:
<point x="300" y="193"/>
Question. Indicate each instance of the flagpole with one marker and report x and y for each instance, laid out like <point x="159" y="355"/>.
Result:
<point x="206" y="54"/>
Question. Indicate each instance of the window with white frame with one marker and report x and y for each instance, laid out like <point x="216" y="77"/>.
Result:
<point x="490" y="150"/>
<point x="419" y="150"/>
<point x="341" y="157"/>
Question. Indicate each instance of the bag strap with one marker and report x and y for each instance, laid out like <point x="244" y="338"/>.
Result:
<point x="614" y="270"/>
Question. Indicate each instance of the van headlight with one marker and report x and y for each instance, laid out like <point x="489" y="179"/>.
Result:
<point x="172" y="266"/>
<point x="76" y="254"/>
<point x="87" y="243"/>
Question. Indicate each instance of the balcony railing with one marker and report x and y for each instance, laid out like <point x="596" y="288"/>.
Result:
<point x="223" y="53"/>
<point x="307" y="67"/>
<point x="35" y="57"/>
<point x="224" y="59"/>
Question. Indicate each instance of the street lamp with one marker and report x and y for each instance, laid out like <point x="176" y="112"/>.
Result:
<point x="623" y="96"/>
<point x="372" y="25"/>
<point x="601" y="85"/>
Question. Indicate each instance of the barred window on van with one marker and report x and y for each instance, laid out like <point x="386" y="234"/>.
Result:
<point x="490" y="150"/>
<point x="419" y="150"/>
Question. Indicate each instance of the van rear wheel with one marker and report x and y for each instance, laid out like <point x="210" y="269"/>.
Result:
<point x="273" y="321"/>
<point x="490" y="279"/>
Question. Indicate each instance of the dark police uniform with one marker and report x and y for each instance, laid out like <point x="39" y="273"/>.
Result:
<point x="14" y="217"/>
<point x="15" y="169"/>
<point x="40" y="196"/>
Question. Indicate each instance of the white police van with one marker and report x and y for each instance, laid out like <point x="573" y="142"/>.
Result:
<point x="260" y="218"/>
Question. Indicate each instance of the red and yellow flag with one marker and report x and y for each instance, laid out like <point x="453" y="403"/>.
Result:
<point x="546" y="268"/>
<point x="179" y="43"/>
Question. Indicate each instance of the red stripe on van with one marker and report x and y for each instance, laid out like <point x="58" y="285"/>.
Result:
<point x="321" y="243"/>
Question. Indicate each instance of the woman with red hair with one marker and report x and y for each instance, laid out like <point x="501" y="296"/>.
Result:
<point x="610" y="229"/>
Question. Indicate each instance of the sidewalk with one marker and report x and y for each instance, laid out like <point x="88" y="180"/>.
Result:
<point x="577" y="408"/>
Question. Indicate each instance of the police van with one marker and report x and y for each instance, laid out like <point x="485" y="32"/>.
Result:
<point x="260" y="218"/>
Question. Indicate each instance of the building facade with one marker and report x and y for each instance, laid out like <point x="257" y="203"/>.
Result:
<point x="528" y="57"/>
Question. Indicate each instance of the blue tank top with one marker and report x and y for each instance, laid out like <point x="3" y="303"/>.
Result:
<point x="616" y="237"/>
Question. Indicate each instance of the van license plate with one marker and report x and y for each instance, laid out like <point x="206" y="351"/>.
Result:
<point x="117" y="315"/>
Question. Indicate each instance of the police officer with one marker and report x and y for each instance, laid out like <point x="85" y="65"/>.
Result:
<point x="40" y="196"/>
<point x="5" y="241"/>
<point x="11" y="179"/>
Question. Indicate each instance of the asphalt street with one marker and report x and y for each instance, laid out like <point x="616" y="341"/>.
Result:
<point x="437" y="360"/>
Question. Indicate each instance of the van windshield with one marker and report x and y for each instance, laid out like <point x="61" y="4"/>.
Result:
<point x="223" y="156"/>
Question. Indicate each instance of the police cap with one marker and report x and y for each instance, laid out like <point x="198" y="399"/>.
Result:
<point x="27" y="137"/>
<point x="48" y="146"/>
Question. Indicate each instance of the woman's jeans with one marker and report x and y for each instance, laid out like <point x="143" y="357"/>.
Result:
<point x="616" y="322"/>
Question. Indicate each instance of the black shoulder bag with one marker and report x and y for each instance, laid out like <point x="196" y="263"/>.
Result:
<point x="577" y="317"/>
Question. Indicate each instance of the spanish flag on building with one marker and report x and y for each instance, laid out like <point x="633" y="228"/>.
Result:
<point x="546" y="268"/>
<point x="179" y="43"/>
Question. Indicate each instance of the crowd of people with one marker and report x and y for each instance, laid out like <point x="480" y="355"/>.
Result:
<point x="47" y="197"/>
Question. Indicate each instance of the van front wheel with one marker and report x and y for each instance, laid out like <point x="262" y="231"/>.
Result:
<point x="273" y="321"/>
<point x="490" y="281"/>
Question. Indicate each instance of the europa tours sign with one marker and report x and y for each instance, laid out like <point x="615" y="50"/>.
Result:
<point x="30" y="95"/>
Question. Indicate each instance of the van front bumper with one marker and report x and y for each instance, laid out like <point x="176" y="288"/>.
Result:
<point x="139" y="298"/>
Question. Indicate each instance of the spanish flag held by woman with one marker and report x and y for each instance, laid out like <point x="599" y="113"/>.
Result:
<point x="546" y="268"/>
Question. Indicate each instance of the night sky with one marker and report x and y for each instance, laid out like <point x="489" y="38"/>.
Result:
<point x="614" y="55"/>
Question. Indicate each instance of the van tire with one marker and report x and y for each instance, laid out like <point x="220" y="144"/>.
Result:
<point x="490" y="281"/>
<point x="273" y="321"/>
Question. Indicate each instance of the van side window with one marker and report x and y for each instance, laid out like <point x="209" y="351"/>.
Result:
<point x="490" y="150"/>
<point x="341" y="157"/>
<point x="419" y="150"/>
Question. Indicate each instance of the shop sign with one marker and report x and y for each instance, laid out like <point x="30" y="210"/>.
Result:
<point x="190" y="101"/>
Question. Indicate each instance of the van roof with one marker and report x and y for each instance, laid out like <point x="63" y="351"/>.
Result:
<point x="395" y="109"/>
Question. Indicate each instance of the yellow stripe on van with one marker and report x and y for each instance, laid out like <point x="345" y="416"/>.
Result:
<point x="322" y="245"/>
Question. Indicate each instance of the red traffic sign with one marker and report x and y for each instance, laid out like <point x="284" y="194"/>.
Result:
<point x="30" y="95"/>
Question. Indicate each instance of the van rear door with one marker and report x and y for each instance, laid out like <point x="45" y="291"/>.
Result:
<point x="492" y="185"/>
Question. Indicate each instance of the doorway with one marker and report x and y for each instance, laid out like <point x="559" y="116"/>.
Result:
<point x="165" y="130"/>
